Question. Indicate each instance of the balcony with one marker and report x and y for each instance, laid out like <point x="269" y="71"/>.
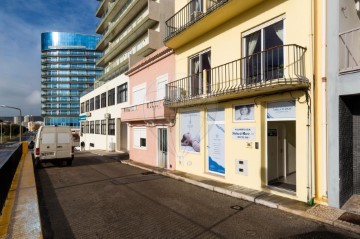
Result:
<point x="271" y="71"/>
<point x="129" y="11"/>
<point x="110" y="12"/>
<point x="143" y="47"/>
<point x="349" y="51"/>
<point x="134" y="31"/>
<point x="153" y="110"/>
<point x="103" y="7"/>
<point x="200" y="16"/>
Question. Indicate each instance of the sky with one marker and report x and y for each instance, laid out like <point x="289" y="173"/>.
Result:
<point x="21" y="25"/>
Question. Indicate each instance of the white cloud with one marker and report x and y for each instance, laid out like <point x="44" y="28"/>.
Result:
<point x="34" y="98"/>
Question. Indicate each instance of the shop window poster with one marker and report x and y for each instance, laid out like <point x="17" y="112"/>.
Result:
<point x="243" y="113"/>
<point x="190" y="131"/>
<point x="216" y="141"/>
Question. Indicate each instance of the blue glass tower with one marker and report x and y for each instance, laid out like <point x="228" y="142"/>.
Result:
<point x="67" y="68"/>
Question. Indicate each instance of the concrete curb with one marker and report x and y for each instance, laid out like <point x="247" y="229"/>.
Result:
<point x="258" y="199"/>
<point x="25" y="220"/>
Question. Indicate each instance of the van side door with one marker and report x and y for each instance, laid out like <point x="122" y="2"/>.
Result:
<point x="64" y="144"/>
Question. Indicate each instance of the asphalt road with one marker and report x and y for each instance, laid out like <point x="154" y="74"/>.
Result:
<point x="98" y="197"/>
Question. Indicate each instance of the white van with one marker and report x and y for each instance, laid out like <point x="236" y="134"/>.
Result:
<point x="54" y="143"/>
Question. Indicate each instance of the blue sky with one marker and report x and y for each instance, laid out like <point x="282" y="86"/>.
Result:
<point x="21" y="25"/>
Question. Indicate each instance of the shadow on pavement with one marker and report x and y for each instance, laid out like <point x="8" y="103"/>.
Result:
<point x="60" y="224"/>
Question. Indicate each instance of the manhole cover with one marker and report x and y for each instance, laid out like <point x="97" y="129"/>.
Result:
<point x="350" y="217"/>
<point x="147" y="173"/>
<point x="237" y="207"/>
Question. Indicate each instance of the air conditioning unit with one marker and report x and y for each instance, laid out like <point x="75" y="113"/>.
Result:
<point x="88" y="114"/>
<point x="107" y="116"/>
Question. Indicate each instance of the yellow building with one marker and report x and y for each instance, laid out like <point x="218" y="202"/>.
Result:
<point x="244" y="93"/>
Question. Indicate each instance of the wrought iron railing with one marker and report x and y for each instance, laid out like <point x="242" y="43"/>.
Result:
<point x="349" y="50"/>
<point x="279" y="65"/>
<point x="8" y="168"/>
<point x="189" y="14"/>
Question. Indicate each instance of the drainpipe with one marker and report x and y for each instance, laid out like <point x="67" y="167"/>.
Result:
<point x="309" y="161"/>
<point x="324" y="96"/>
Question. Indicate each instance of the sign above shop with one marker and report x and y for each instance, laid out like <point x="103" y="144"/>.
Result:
<point x="281" y="110"/>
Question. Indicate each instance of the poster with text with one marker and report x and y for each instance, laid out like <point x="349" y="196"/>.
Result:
<point x="190" y="131"/>
<point x="281" y="110"/>
<point x="216" y="148"/>
<point x="216" y="140"/>
<point x="244" y="133"/>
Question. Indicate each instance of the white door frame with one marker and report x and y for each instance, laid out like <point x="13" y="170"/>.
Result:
<point x="266" y="138"/>
<point x="157" y="145"/>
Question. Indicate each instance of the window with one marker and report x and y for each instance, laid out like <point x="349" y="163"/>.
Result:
<point x="139" y="137"/>
<point x="139" y="94"/>
<point x="82" y="124"/>
<point x="97" y="127"/>
<point x="86" y="127"/>
<point x="91" y="104"/>
<point x="87" y="106"/>
<point x="111" y="97"/>
<point x="111" y="127"/>
<point x="103" y="126"/>
<point x="122" y="93"/>
<point x="91" y="127"/>
<point x="82" y="107"/>
<point x="160" y="91"/>
<point x="103" y="100"/>
<point x="263" y="49"/>
<point x="97" y="102"/>
<point x="198" y="64"/>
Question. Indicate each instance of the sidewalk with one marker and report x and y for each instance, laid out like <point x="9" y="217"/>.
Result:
<point x="21" y="217"/>
<point x="325" y="214"/>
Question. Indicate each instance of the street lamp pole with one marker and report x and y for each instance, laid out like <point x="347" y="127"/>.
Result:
<point x="11" y="107"/>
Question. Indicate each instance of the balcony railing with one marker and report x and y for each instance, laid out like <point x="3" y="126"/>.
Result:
<point x="349" y="54"/>
<point x="281" y="65"/>
<point x="189" y="14"/>
<point x="148" y="111"/>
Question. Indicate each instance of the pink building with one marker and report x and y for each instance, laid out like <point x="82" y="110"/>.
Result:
<point x="151" y="135"/>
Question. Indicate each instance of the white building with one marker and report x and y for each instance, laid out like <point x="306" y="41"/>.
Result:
<point x="101" y="126"/>
<point x="131" y="30"/>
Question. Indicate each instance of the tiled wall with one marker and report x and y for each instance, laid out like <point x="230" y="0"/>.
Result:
<point x="346" y="149"/>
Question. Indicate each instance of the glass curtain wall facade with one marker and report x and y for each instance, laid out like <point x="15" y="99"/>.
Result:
<point x="67" y="69"/>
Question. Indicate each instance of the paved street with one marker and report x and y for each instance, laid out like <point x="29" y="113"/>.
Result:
<point x="98" y="197"/>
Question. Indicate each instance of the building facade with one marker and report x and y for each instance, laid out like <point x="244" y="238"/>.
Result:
<point x="343" y="77"/>
<point x="131" y="30"/>
<point x="151" y="131"/>
<point x="243" y="95"/>
<point x="67" y="68"/>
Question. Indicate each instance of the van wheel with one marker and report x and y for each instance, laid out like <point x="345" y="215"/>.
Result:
<point x="69" y="162"/>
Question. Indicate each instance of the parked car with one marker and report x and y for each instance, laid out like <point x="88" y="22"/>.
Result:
<point x="54" y="143"/>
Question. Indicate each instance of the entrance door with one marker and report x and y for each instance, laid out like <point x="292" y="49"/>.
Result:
<point x="162" y="147"/>
<point x="272" y="145"/>
<point x="281" y="145"/>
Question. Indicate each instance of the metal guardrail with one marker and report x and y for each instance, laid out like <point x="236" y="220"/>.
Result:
<point x="189" y="14"/>
<point x="279" y="65"/>
<point x="8" y="168"/>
